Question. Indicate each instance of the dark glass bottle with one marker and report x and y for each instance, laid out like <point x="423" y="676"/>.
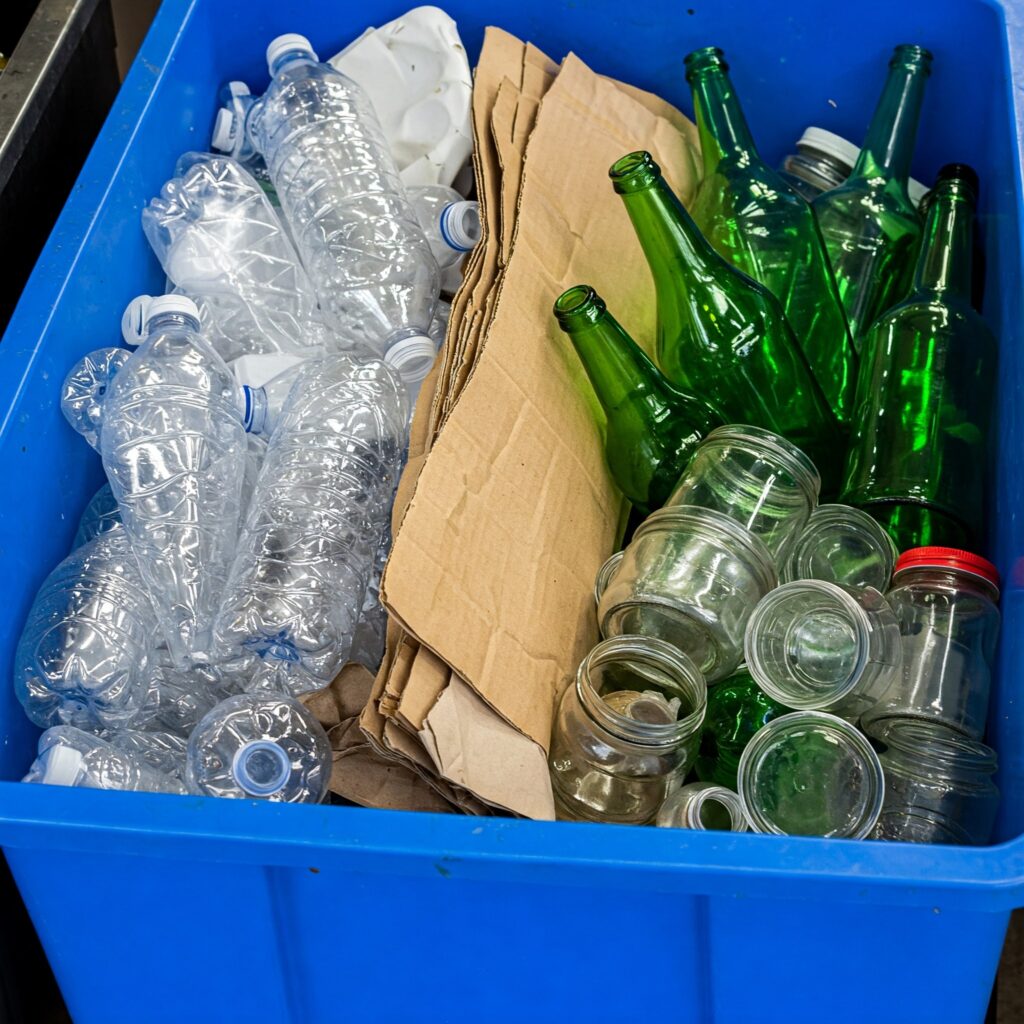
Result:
<point x="720" y="332"/>
<point x="870" y="225"/>
<point x="653" y="427"/>
<point x="737" y="708"/>
<point x="753" y="218"/>
<point x="926" y="387"/>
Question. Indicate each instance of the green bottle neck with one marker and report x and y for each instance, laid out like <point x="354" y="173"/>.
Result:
<point x="667" y="234"/>
<point x="889" y="147"/>
<point x="618" y="368"/>
<point x="944" y="264"/>
<point x="724" y="133"/>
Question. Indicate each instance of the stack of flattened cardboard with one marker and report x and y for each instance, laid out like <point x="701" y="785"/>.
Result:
<point x="506" y="509"/>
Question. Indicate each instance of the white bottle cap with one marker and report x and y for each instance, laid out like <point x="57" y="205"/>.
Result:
<point x="223" y="137"/>
<point x="831" y="144"/>
<point x="62" y="766"/>
<point x="143" y="308"/>
<point x="282" y="44"/>
<point x="916" y="191"/>
<point x="460" y="225"/>
<point x="412" y="357"/>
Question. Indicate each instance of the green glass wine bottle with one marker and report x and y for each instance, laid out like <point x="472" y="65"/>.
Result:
<point x="720" y="333"/>
<point x="918" y="451"/>
<point x="653" y="427"/>
<point x="737" y="708"/>
<point x="760" y="224"/>
<point x="870" y="226"/>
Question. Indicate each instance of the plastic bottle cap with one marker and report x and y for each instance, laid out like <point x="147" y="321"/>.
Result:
<point x="460" y="225"/>
<point x="282" y="44"/>
<point x="261" y="767"/>
<point x="831" y="144"/>
<point x="63" y="765"/>
<point x="223" y="138"/>
<point x="948" y="558"/>
<point x="412" y="357"/>
<point x="133" y="321"/>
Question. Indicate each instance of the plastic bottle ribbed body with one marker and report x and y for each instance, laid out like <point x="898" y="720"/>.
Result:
<point x="174" y="449"/>
<point x="84" y="654"/>
<point x="315" y="523"/>
<point x="340" y="189"/>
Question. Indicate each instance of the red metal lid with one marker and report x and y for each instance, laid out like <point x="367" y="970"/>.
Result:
<point x="948" y="558"/>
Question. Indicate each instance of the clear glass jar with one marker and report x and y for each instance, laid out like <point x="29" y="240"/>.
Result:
<point x="690" y="577"/>
<point x="811" y="774"/>
<point x="755" y="477"/>
<point x="627" y="732"/>
<point x="824" y="160"/>
<point x="945" y="602"/>
<point x="938" y="784"/>
<point x="842" y="544"/>
<point x="816" y="646"/>
<point x="604" y="574"/>
<point x="703" y="806"/>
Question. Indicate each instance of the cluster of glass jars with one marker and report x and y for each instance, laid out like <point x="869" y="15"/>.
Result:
<point x="814" y="682"/>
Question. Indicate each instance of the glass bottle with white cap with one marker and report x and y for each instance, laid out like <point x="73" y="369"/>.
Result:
<point x="340" y="190"/>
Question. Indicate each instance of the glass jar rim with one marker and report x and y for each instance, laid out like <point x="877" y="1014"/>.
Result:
<point x="853" y="740"/>
<point x="669" y="659"/>
<point x="712" y="523"/>
<point x="724" y="797"/>
<point x="797" y="462"/>
<point x="604" y="575"/>
<point x="764" y="679"/>
<point x="930" y="743"/>
<point x="828" y="517"/>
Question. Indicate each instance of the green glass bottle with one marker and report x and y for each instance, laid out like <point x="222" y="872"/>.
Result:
<point x="760" y="224"/>
<point x="720" y="333"/>
<point x="870" y="226"/>
<point x="653" y="427"/>
<point x="737" y="708"/>
<point x="917" y="455"/>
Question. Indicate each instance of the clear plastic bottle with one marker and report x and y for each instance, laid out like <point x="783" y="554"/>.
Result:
<point x="71" y="757"/>
<point x="222" y="244"/>
<point x="322" y="503"/>
<point x="231" y="137"/>
<point x="101" y="516"/>
<point x="161" y="750"/>
<point x="84" y="654"/>
<point x="85" y="390"/>
<point x="352" y="221"/>
<point x="173" y="446"/>
<point x="451" y="224"/>
<point x="371" y="630"/>
<point x="266" y="748"/>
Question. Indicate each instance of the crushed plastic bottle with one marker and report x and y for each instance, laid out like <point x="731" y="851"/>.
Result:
<point x="339" y="187"/>
<point x="71" y="757"/>
<point x="173" y="446"/>
<point x="164" y="752"/>
<point x="450" y="223"/>
<point x="85" y="389"/>
<point x="416" y="73"/>
<point x="220" y="241"/>
<point x="321" y="506"/>
<point x="264" y="748"/>
<point x="84" y="654"/>
<point x="101" y="516"/>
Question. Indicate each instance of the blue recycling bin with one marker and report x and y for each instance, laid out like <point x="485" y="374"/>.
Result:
<point x="155" y="908"/>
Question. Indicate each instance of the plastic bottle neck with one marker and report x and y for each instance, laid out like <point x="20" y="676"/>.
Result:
<point x="944" y="264"/>
<point x="889" y="146"/>
<point x="296" y="56"/>
<point x="162" y="321"/>
<point x="617" y="367"/>
<point x="724" y="133"/>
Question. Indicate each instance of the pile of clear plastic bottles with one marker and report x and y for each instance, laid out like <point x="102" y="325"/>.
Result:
<point x="252" y="436"/>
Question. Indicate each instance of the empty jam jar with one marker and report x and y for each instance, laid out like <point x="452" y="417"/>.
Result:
<point x="938" y="784"/>
<point x="690" y="577"/>
<point x="626" y="733"/>
<point x="945" y="603"/>
<point x="757" y="478"/>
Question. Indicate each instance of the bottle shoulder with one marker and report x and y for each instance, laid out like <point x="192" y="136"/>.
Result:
<point x="880" y="201"/>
